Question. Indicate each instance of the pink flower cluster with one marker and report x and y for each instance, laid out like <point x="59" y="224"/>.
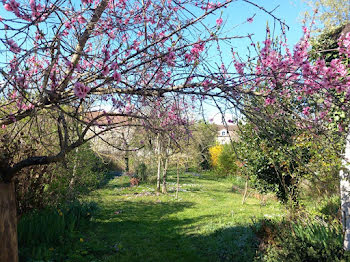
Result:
<point x="13" y="46"/>
<point x="12" y="6"/>
<point x="219" y="21"/>
<point x="85" y="2"/>
<point x="344" y="44"/>
<point x="293" y="75"/>
<point x="195" y="51"/>
<point x="80" y="90"/>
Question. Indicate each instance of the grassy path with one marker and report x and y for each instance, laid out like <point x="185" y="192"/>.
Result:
<point x="207" y="222"/>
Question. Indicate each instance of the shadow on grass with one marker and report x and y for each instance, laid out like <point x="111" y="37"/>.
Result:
<point x="149" y="231"/>
<point x="108" y="176"/>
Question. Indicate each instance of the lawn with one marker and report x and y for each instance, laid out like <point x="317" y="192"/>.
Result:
<point x="207" y="222"/>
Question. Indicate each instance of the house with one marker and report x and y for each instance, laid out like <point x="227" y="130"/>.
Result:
<point x="116" y="143"/>
<point x="226" y="133"/>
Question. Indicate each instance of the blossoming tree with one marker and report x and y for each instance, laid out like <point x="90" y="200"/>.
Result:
<point x="295" y="86"/>
<point x="60" y="59"/>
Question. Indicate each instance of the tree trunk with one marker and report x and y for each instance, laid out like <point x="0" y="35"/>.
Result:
<point x="164" y="190"/>
<point x="74" y="172"/>
<point x="178" y="180"/>
<point x="126" y="159"/>
<point x="159" y="163"/>
<point x="158" y="172"/>
<point x="245" y="190"/>
<point x="345" y="194"/>
<point x="8" y="223"/>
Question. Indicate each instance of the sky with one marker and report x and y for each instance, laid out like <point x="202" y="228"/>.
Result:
<point x="235" y="20"/>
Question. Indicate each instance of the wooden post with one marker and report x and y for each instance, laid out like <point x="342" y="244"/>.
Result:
<point x="8" y="223"/>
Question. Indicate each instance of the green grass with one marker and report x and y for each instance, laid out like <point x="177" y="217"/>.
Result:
<point x="207" y="223"/>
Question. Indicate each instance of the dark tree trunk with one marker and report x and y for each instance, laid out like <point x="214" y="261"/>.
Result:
<point x="126" y="163"/>
<point x="8" y="223"/>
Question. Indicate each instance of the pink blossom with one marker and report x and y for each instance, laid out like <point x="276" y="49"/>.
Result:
<point x="105" y="71"/>
<point x="85" y="2"/>
<point x="219" y="21"/>
<point x="13" y="46"/>
<point x="81" y="19"/>
<point x="250" y="20"/>
<point x="306" y="110"/>
<point x="117" y="77"/>
<point x="8" y="7"/>
<point x="68" y="25"/>
<point x="188" y="57"/>
<point x="80" y="90"/>
<point x="12" y="6"/>
<point x="340" y="128"/>
<point x="269" y="101"/>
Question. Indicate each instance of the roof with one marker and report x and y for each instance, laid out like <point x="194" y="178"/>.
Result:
<point x="229" y="128"/>
<point x="104" y="118"/>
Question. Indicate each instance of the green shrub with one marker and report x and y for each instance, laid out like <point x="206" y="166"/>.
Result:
<point x="84" y="171"/>
<point x="227" y="161"/>
<point x="307" y="240"/>
<point x="38" y="231"/>
<point x="141" y="172"/>
<point x="329" y="207"/>
<point x="81" y="172"/>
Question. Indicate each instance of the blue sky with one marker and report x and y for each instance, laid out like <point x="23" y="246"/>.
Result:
<point x="288" y="11"/>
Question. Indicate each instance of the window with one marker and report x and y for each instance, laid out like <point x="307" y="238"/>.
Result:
<point x="223" y="133"/>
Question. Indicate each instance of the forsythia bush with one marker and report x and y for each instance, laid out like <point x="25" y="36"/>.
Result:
<point x="215" y="152"/>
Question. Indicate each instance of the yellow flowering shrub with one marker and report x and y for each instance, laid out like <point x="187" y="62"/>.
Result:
<point x="215" y="152"/>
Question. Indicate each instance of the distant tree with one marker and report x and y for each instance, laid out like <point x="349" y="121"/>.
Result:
<point x="330" y="13"/>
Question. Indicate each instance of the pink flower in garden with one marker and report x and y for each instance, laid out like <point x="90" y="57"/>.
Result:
<point x="219" y="21"/>
<point x="80" y="90"/>
<point x="306" y="110"/>
<point x="340" y="128"/>
<point x="269" y="101"/>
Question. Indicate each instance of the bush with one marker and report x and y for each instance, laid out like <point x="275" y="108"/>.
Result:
<point x="141" y="172"/>
<point x="227" y="161"/>
<point x="81" y="172"/>
<point x="214" y="152"/>
<point x="307" y="240"/>
<point x="328" y="209"/>
<point x="38" y="231"/>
